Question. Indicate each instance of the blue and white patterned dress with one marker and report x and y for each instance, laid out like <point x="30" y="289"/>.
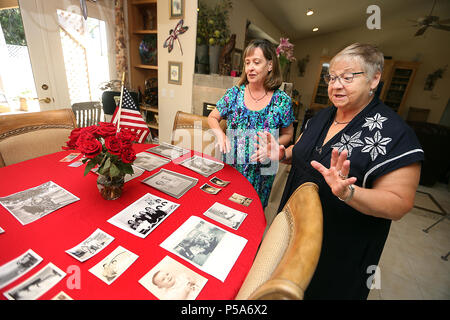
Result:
<point x="243" y="124"/>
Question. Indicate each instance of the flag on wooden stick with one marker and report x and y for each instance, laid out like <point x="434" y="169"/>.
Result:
<point x="128" y="117"/>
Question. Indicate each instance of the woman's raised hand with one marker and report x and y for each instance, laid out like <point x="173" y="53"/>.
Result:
<point x="266" y="147"/>
<point x="337" y="175"/>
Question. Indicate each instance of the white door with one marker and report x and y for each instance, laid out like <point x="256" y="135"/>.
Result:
<point x="70" y="56"/>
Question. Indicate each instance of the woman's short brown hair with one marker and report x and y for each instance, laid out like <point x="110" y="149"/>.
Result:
<point x="274" y="79"/>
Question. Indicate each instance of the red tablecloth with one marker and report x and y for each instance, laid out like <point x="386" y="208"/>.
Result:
<point x="53" y="234"/>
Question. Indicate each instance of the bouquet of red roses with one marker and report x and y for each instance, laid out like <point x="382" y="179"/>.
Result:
<point x="102" y="145"/>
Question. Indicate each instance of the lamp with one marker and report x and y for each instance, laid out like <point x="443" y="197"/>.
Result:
<point x="309" y="12"/>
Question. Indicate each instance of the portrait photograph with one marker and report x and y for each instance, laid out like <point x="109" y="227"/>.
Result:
<point x="149" y="162"/>
<point x="228" y="216"/>
<point x="144" y="215"/>
<point x="168" y="151"/>
<point x="116" y="263"/>
<point x="240" y="199"/>
<point x="175" y="72"/>
<point x="210" y="189"/>
<point x="171" y="280"/>
<point x="172" y="183"/>
<point x="205" y="245"/>
<point x="34" y="203"/>
<point x="203" y="166"/>
<point x="219" y="182"/>
<point x="17" y="267"/>
<point x="92" y="245"/>
<point x="36" y="285"/>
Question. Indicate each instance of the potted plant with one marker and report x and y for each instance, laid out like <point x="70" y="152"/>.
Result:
<point x="212" y="29"/>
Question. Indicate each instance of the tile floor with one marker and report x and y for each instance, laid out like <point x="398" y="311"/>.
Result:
<point x="411" y="266"/>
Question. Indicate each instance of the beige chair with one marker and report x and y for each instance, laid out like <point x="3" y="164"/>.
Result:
<point x="192" y="132"/>
<point x="87" y="113"/>
<point x="288" y="255"/>
<point x="29" y="135"/>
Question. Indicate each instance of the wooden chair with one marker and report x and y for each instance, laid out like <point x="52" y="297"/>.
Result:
<point x="29" y="135"/>
<point x="288" y="255"/>
<point x="192" y="132"/>
<point x="87" y="113"/>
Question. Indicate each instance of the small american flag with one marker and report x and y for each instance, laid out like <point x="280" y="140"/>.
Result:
<point x="131" y="118"/>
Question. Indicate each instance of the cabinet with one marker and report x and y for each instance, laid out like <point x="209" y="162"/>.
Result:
<point x="397" y="78"/>
<point x="142" y="25"/>
<point x="398" y="85"/>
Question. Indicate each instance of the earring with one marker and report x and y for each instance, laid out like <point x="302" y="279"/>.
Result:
<point x="370" y="92"/>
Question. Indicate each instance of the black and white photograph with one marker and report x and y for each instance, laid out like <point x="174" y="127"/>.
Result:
<point x="95" y="243"/>
<point x="111" y="267"/>
<point x="172" y="183"/>
<point x="240" y="199"/>
<point x="205" y="167"/>
<point x="36" y="285"/>
<point x="219" y="182"/>
<point x="210" y="189"/>
<point x="17" y="267"/>
<point x="206" y="246"/>
<point x="168" y="151"/>
<point x="136" y="173"/>
<point x="149" y="162"/>
<point x="228" y="216"/>
<point x="171" y="280"/>
<point x="34" y="203"/>
<point x="144" y="215"/>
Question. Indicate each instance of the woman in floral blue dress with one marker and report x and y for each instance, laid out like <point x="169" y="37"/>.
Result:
<point x="255" y="105"/>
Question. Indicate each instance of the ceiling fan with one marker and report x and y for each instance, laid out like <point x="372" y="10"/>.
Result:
<point x="430" y="21"/>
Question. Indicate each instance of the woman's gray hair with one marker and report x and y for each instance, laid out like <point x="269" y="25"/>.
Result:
<point x="369" y="56"/>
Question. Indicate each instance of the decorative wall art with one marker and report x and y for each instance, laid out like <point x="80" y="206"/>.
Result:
<point x="176" y="9"/>
<point x="173" y="35"/>
<point x="175" y="72"/>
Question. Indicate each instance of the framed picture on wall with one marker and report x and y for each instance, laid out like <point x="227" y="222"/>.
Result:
<point x="175" y="72"/>
<point x="176" y="9"/>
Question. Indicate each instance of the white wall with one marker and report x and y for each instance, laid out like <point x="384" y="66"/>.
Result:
<point x="432" y="50"/>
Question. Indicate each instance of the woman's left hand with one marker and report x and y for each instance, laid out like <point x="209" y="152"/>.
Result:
<point x="266" y="148"/>
<point x="337" y="175"/>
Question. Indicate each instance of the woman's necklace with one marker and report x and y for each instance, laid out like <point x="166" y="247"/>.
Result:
<point x="256" y="100"/>
<point x="337" y="122"/>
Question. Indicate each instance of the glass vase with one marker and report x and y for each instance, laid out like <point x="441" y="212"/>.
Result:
<point x="110" y="188"/>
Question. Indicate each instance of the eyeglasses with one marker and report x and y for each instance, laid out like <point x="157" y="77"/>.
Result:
<point x="344" y="78"/>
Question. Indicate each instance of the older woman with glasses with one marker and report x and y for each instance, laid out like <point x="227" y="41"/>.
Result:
<point x="366" y="162"/>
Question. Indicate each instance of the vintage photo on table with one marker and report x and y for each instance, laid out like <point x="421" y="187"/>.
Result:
<point x="95" y="243"/>
<point x="111" y="267"/>
<point x="219" y="182"/>
<point x="205" y="167"/>
<point x="240" y="199"/>
<point x="144" y="215"/>
<point x="172" y="183"/>
<point x="170" y="280"/>
<point x="62" y="296"/>
<point x="37" y="284"/>
<point x="34" y="203"/>
<point x="168" y="150"/>
<point x="17" y="267"/>
<point x="149" y="162"/>
<point x="210" y="189"/>
<point x="228" y="216"/>
<point x="205" y="245"/>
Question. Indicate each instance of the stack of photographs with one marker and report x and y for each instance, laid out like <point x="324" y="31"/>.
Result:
<point x="205" y="167"/>
<point x="144" y="215"/>
<point x="34" y="203"/>
<point x="172" y="183"/>
<point x="168" y="151"/>
<point x="149" y="162"/>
